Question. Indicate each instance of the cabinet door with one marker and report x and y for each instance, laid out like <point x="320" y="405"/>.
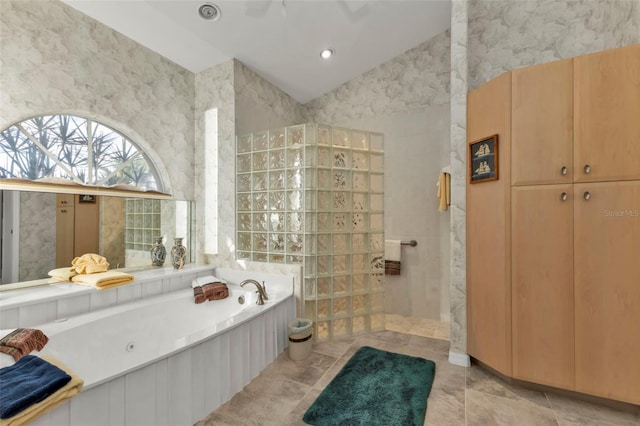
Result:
<point x="542" y="284"/>
<point x="607" y="115"/>
<point x="64" y="236"/>
<point x="542" y="124"/>
<point x="64" y="200"/>
<point x="87" y="227"/>
<point x="607" y="289"/>
<point x="489" y="232"/>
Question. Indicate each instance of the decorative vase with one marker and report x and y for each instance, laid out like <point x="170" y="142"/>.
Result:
<point x="158" y="252"/>
<point x="178" y="254"/>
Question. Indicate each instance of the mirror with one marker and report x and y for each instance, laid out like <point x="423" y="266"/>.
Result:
<point x="42" y="231"/>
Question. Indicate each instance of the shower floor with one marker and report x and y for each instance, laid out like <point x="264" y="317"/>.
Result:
<point x="424" y="327"/>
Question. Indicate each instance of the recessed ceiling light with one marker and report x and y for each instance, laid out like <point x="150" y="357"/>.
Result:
<point x="327" y="53"/>
<point x="209" y="11"/>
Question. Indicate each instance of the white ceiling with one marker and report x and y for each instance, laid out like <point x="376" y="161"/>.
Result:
<point x="279" y="39"/>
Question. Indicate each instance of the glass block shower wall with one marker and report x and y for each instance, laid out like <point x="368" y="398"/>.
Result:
<point x="313" y="195"/>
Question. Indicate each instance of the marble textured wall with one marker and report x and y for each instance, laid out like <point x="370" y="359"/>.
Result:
<point x="215" y="89"/>
<point x="55" y="59"/>
<point x="458" y="149"/>
<point x="260" y="105"/>
<point x="111" y="234"/>
<point x="407" y="99"/>
<point x="37" y="253"/>
<point x="414" y="79"/>
<point x="508" y="34"/>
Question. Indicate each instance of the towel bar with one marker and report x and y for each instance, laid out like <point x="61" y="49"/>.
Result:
<point x="411" y="243"/>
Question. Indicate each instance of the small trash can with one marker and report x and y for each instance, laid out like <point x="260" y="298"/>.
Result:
<point x="300" y="338"/>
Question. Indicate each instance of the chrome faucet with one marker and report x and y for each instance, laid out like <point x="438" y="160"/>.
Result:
<point x="262" y="293"/>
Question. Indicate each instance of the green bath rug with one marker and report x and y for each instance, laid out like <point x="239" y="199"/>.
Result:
<point x="375" y="387"/>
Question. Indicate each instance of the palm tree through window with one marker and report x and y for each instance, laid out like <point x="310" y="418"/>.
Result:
<point x="75" y="148"/>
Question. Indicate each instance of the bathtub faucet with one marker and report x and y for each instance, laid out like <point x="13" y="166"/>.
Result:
<point x="262" y="294"/>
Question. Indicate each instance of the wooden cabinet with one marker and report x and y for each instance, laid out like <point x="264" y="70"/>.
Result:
<point x="542" y="284"/>
<point x="65" y="200"/>
<point x="488" y="233"/>
<point x="553" y="259"/>
<point x="65" y="218"/>
<point x="607" y="289"/>
<point x="607" y="115"/>
<point x="542" y="124"/>
<point x="77" y="228"/>
<point x="87" y="227"/>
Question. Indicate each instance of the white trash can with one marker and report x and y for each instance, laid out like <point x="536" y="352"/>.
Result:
<point x="300" y="338"/>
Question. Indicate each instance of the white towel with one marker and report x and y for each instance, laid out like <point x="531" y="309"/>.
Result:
<point x="199" y="282"/>
<point x="392" y="250"/>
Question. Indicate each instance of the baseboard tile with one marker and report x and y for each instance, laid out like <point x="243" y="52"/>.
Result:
<point x="462" y="360"/>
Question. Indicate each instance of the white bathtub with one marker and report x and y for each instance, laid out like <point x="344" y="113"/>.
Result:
<point x="166" y="360"/>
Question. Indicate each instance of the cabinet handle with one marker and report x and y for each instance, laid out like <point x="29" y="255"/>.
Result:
<point x="587" y="168"/>
<point x="564" y="171"/>
<point x="587" y="195"/>
<point x="63" y="211"/>
<point x="564" y="196"/>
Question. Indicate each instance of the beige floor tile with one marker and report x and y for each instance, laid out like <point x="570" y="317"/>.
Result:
<point x="219" y="419"/>
<point x="445" y="406"/>
<point x="483" y="381"/>
<point x="485" y="409"/>
<point x="333" y="348"/>
<point x="307" y="371"/>
<point x="571" y="411"/>
<point x="442" y="332"/>
<point x="283" y="392"/>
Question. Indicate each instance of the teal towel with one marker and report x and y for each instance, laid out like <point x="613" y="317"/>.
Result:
<point x="27" y="382"/>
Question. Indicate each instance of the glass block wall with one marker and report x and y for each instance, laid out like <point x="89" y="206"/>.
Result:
<point x="313" y="194"/>
<point x="142" y="223"/>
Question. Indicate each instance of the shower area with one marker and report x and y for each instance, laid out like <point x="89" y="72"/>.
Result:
<point x="314" y="195"/>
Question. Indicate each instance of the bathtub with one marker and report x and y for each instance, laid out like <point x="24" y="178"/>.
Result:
<point x="166" y="360"/>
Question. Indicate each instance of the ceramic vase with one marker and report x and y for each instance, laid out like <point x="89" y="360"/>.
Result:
<point x="158" y="252"/>
<point x="178" y="254"/>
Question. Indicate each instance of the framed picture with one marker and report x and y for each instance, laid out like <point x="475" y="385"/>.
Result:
<point x="483" y="160"/>
<point x="86" y="198"/>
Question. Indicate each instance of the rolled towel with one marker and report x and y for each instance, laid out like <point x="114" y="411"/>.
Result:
<point x="103" y="280"/>
<point x="32" y="386"/>
<point x="215" y="291"/>
<point x="89" y="263"/>
<point x="22" y="341"/>
<point x="62" y="274"/>
<point x="198" y="295"/>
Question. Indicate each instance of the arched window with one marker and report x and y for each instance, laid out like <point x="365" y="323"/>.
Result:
<point x="74" y="148"/>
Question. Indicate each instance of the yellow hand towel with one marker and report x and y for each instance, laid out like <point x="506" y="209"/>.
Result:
<point x="444" y="191"/>
<point x="62" y="274"/>
<point x="103" y="280"/>
<point x="72" y="388"/>
<point x="89" y="263"/>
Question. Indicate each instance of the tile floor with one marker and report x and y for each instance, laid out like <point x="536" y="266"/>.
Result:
<point x="460" y="396"/>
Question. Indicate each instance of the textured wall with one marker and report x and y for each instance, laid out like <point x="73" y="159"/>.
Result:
<point x="407" y="99"/>
<point x="508" y="34"/>
<point x="458" y="150"/>
<point x="37" y="254"/>
<point x="259" y="105"/>
<point x="214" y="89"/>
<point x="414" y="79"/>
<point x="112" y="225"/>
<point x="55" y="59"/>
<point x="245" y="102"/>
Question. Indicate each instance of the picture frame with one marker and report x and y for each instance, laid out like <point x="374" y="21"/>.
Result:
<point x="484" y="160"/>
<point x="86" y="198"/>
